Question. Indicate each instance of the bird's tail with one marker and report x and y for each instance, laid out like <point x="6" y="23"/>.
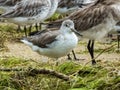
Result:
<point x="34" y="48"/>
<point x="25" y="41"/>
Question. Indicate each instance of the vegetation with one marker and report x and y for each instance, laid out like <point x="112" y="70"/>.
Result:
<point x="105" y="77"/>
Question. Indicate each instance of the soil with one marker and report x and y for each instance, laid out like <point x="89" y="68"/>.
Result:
<point x="20" y="50"/>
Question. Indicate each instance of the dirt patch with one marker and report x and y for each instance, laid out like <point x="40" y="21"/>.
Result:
<point x="21" y="50"/>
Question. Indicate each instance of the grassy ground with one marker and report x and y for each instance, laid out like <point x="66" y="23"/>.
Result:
<point x="103" y="76"/>
<point x="99" y="77"/>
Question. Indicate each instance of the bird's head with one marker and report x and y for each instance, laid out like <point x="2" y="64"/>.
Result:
<point x="68" y="26"/>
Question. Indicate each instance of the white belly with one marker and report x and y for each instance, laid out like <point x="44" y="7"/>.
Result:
<point x="61" y="47"/>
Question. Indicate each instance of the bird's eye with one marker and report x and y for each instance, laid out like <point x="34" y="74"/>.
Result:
<point x="67" y="25"/>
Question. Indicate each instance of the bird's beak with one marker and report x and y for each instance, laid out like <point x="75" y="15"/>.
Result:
<point x="76" y="32"/>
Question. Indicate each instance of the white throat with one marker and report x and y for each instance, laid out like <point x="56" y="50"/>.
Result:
<point x="65" y="30"/>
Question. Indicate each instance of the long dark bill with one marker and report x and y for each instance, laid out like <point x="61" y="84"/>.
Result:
<point x="76" y="32"/>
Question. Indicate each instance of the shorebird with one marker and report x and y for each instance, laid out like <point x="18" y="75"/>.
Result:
<point x="54" y="44"/>
<point x="28" y="12"/>
<point x="95" y="21"/>
<point x="69" y="6"/>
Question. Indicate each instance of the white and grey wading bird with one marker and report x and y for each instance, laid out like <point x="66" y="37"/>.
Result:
<point x="65" y="7"/>
<point x="54" y="44"/>
<point x="95" y="21"/>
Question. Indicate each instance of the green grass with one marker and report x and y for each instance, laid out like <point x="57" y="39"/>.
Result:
<point x="54" y="17"/>
<point x="88" y="78"/>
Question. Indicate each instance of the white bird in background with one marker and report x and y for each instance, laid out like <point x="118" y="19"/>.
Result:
<point x="54" y="44"/>
<point x="69" y="6"/>
<point x="95" y="21"/>
<point x="28" y="12"/>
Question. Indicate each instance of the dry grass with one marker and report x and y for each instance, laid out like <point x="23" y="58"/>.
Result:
<point x="104" y="75"/>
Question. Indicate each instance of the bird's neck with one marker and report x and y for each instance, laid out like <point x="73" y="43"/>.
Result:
<point x="65" y="30"/>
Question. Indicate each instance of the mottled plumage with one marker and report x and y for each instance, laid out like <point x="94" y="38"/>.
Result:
<point x="27" y="8"/>
<point x="90" y="17"/>
<point x="9" y="2"/>
<point x="93" y="15"/>
<point x="69" y="6"/>
<point x="6" y="5"/>
<point x="28" y="12"/>
<point x="43" y="38"/>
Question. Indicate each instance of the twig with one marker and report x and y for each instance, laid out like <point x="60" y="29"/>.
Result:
<point x="34" y="72"/>
<point x="104" y="51"/>
<point x="10" y="69"/>
<point x="79" y="71"/>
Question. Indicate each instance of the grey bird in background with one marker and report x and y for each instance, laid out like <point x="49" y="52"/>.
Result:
<point x="69" y="6"/>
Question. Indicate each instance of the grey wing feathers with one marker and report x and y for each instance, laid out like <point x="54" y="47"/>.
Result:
<point x="87" y="18"/>
<point x="2" y="1"/>
<point x="64" y="3"/>
<point x="70" y="3"/>
<point x="26" y="9"/>
<point x="43" y="39"/>
<point x="9" y="2"/>
<point x="91" y="16"/>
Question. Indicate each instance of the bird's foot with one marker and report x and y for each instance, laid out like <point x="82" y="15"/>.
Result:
<point x="93" y="62"/>
<point x="69" y="58"/>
